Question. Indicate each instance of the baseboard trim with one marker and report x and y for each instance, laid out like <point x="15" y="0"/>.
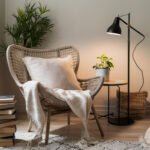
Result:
<point x="103" y="109"/>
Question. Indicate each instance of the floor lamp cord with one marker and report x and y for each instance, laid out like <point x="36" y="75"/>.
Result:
<point x="133" y="57"/>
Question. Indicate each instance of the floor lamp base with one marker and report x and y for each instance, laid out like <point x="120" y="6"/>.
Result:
<point x="121" y="121"/>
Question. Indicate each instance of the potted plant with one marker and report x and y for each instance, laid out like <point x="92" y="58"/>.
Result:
<point x="103" y="66"/>
<point x="32" y="23"/>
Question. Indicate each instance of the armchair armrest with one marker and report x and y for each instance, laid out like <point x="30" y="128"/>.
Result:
<point x="93" y="84"/>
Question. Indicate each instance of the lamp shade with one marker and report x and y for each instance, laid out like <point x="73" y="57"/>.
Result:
<point x="115" y="27"/>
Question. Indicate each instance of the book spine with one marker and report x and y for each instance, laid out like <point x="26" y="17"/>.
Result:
<point x="7" y="122"/>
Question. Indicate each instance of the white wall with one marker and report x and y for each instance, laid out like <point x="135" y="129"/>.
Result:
<point x="83" y="24"/>
<point x="2" y="16"/>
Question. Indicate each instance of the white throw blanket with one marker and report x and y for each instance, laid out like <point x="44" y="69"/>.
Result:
<point x="80" y="103"/>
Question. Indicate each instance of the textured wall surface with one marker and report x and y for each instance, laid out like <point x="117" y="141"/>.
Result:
<point x="2" y="59"/>
<point x="83" y="24"/>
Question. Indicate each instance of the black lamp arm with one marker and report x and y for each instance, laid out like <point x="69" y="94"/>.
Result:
<point x="132" y="27"/>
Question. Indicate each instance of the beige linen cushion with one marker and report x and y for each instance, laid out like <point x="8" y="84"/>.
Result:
<point x="53" y="72"/>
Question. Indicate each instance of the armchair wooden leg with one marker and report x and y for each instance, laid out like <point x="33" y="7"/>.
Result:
<point x="97" y="121"/>
<point x="68" y="118"/>
<point x="29" y="126"/>
<point x="47" y="126"/>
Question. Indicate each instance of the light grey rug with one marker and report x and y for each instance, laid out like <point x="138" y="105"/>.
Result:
<point x="63" y="143"/>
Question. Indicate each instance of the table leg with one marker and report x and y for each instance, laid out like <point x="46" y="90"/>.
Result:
<point x="119" y="104"/>
<point x="108" y="108"/>
<point x="108" y="102"/>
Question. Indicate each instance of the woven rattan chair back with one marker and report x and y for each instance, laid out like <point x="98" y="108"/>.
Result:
<point x="17" y="68"/>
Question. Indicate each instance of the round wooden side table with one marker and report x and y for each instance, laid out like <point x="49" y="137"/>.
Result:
<point x="117" y="120"/>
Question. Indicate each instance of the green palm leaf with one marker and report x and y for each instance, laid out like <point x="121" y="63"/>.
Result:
<point x="31" y="25"/>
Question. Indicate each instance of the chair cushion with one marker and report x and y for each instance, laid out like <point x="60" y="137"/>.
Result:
<point x="53" y="72"/>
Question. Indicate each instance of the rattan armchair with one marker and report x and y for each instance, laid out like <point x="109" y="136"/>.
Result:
<point x="50" y="104"/>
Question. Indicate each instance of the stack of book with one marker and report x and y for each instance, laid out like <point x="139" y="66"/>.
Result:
<point x="7" y="120"/>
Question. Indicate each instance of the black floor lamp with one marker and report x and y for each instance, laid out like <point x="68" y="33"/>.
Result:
<point x="116" y="30"/>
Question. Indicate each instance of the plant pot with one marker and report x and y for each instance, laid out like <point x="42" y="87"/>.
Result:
<point x="103" y="73"/>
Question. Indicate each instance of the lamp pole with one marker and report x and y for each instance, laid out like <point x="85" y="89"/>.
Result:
<point x="128" y="44"/>
<point x="128" y="66"/>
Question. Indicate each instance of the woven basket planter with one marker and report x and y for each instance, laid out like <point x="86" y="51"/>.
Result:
<point x="137" y="103"/>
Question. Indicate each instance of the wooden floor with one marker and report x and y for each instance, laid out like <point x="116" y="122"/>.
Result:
<point x="59" y="127"/>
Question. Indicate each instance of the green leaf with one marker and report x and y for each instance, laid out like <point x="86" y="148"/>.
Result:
<point x="32" y="23"/>
<point x="104" y="62"/>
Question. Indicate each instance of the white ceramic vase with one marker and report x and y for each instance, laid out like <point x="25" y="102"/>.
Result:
<point x="103" y="73"/>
